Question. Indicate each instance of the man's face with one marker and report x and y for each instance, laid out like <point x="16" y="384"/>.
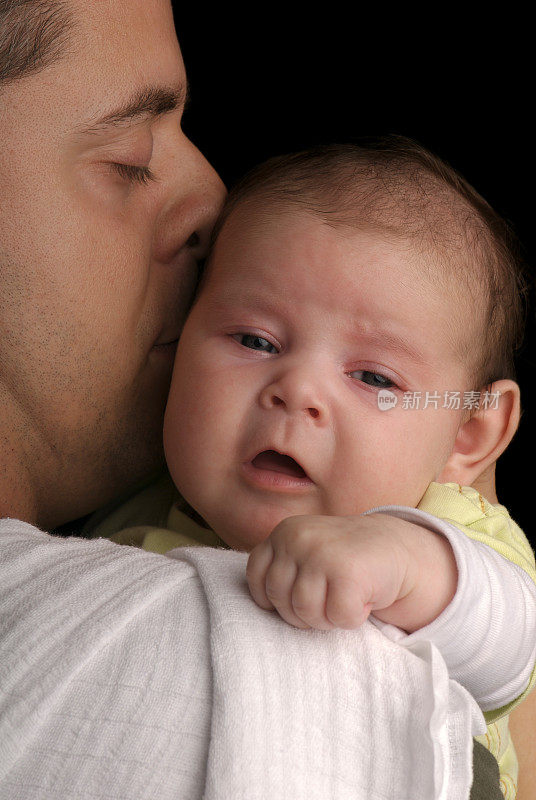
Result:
<point x="97" y="260"/>
<point x="297" y="328"/>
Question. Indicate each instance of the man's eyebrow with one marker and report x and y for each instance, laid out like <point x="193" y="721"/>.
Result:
<point x="150" y="102"/>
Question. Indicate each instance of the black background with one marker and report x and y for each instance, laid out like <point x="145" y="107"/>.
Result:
<point x="269" y="84"/>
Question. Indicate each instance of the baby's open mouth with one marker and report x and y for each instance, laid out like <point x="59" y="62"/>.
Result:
<point x="278" y="462"/>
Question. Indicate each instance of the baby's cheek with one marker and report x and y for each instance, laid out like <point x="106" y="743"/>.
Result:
<point x="176" y="445"/>
<point x="180" y="425"/>
<point x="192" y="433"/>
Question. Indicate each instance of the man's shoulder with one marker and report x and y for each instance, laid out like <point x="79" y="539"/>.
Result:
<point x="18" y="529"/>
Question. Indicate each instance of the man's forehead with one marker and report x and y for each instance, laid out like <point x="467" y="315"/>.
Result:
<point x="138" y="34"/>
<point x="121" y="64"/>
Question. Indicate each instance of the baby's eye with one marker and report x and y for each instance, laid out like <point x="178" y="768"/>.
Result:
<point x="372" y="379"/>
<point x="255" y="342"/>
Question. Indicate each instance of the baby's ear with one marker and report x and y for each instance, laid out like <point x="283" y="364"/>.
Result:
<point x="484" y="435"/>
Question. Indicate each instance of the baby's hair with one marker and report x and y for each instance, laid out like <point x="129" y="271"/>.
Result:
<point x="395" y="185"/>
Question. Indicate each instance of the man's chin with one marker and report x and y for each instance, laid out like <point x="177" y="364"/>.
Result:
<point x="132" y="459"/>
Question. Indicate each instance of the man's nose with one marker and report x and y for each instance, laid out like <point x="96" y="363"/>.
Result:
<point x="195" y="195"/>
<point x="296" y="392"/>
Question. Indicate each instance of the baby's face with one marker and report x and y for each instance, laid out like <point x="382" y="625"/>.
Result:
<point x="273" y="409"/>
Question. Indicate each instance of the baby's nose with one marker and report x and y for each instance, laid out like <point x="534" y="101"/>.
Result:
<point x="294" y="394"/>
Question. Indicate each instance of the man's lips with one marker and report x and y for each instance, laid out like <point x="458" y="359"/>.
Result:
<point x="163" y="354"/>
<point x="170" y="343"/>
<point x="166" y="342"/>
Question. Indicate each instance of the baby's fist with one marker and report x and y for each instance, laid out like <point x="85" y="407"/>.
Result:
<point x="327" y="572"/>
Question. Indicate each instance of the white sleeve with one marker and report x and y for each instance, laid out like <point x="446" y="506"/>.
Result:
<point x="487" y="634"/>
<point x="104" y="691"/>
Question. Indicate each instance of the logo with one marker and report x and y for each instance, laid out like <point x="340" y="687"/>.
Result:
<point x="386" y="399"/>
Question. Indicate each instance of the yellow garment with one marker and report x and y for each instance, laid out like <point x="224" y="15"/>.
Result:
<point x="498" y="741"/>
<point x="179" y="530"/>
<point x="491" y="524"/>
<point x="173" y="526"/>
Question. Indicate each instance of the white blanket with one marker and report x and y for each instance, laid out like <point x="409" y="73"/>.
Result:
<point x="132" y="676"/>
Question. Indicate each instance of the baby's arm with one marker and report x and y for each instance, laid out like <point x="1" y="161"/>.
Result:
<point x="500" y="604"/>
<point x="487" y="634"/>
<point x="328" y="572"/>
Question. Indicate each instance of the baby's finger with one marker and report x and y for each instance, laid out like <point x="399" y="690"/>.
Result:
<point x="309" y="599"/>
<point x="279" y="583"/>
<point x="258" y="564"/>
<point x="344" y="605"/>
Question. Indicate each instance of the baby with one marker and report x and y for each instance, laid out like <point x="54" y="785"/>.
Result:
<point x="349" y="351"/>
<point x="339" y="279"/>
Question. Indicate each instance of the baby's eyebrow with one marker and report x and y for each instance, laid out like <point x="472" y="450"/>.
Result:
<point x="149" y="102"/>
<point x="388" y="340"/>
<point x="357" y="331"/>
<point x="246" y="302"/>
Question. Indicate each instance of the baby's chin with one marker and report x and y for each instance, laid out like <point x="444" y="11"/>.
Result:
<point x="245" y="534"/>
<point x="243" y="540"/>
